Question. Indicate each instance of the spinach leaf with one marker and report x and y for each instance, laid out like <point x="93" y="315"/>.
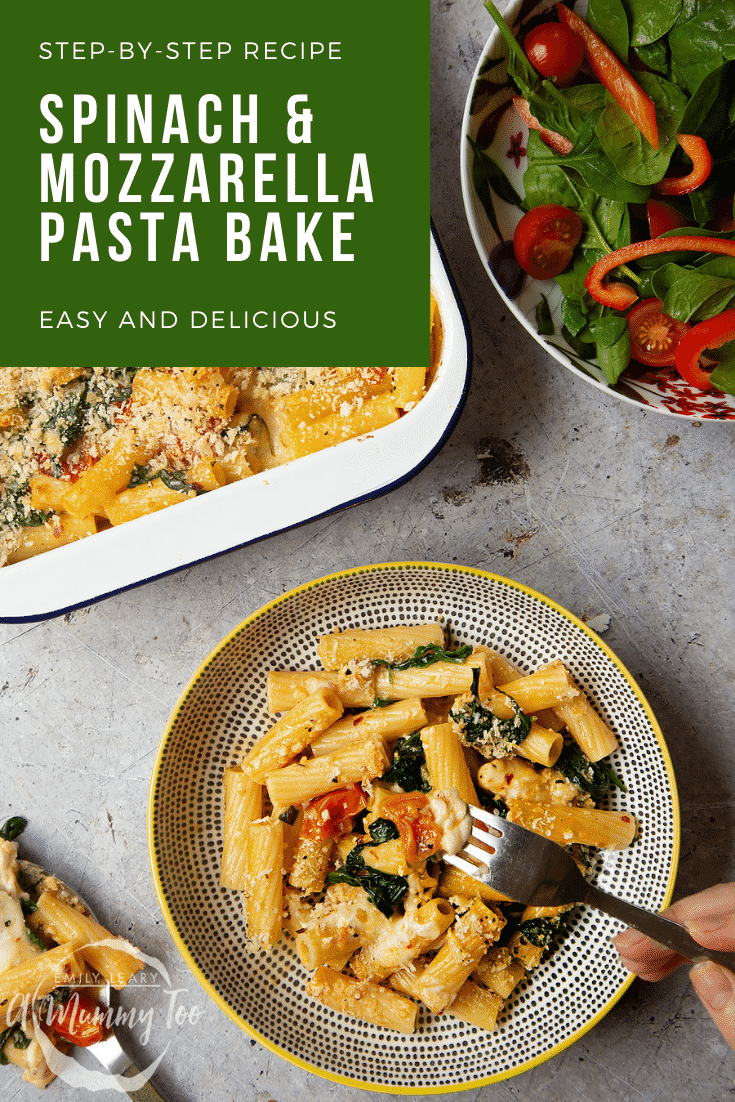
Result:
<point x="592" y="777"/>
<point x="608" y="18"/>
<point x="544" y="321"/>
<point x="695" y="297"/>
<point x="630" y="153"/>
<point x="174" y="480"/>
<point x="13" y="828"/>
<point x="595" y="167"/>
<point x="486" y="732"/>
<point x="614" y="358"/>
<point x="35" y="939"/>
<point x="408" y="769"/>
<point x="15" y="508"/>
<point x="607" y="330"/>
<point x="574" y="315"/>
<point x="383" y="830"/>
<point x="656" y="55"/>
<point x="539" y="931"/>
<point x="702" y="40"/>
<point x="723" y="376"/>
<point x="651" y="20"/>
<point x="66" y="415"/>
<point x="427" y="655"/>
<point x="385" y="890"/>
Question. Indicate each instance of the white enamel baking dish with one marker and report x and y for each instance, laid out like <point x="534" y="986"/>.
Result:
<point x="260" y="506"/>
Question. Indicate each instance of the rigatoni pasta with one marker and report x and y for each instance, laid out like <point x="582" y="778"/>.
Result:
<point x="86" y="448"/>
<point x="54" y="958"/>
<point x="420" y="730"/>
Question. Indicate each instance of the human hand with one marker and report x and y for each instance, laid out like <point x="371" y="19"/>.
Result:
<point x="709" y="916"/>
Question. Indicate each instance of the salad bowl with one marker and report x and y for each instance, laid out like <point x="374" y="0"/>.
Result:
<point x="494" y="156"/>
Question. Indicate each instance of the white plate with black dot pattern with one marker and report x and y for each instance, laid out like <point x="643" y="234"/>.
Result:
<point x="222" y="712"/>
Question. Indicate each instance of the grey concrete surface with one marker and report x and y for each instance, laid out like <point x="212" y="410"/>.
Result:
<point x="605" y="508"/>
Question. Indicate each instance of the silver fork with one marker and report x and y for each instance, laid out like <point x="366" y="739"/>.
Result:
<point x="530" y="869"/>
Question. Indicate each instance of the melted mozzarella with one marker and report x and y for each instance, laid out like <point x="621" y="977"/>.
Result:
<point x="15" y="945"/>
<point x="452" y="818"/>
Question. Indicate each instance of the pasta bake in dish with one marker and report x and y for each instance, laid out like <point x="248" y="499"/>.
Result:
<point x="336" y="819"/>
<point x="54" y="958"/>
<point x="85" y="448"/>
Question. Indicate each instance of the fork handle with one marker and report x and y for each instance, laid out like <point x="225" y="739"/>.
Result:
<point x="144" y="1092"/>
<point x="662" y="930"/>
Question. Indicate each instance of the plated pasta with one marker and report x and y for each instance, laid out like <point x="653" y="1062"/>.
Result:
<point x="87" y="448"/>
<point x="336" y="819"/>
<point x="54" y="960"/>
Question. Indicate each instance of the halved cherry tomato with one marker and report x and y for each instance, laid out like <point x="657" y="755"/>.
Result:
<point x="708" y="334"/>
<point x="557" y="142"/>
<point x="545" y="238"/>
<point x="79" y="1020"/>
<point x="662" y="217"/>
<point x="555" y="51"/>
<point x="629" y="95"/>
<point x="701" y="158"/>
<point x="331" y="815"/>
<point x="621" y="295"/>
<point x="654" y="335"/>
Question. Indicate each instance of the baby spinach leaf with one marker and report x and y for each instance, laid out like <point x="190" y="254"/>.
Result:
<point x="574" y="315"/>
<point x="614" y="358"/>
<point x="702" y="40"/>
<point x="595" y="167"/>
<point x="694" y="296"/>
<point x="12" y="828"/>
<point x="622" y="141"/>
<point x="652" y="20"/>
<point x="609" y="20"/>
<point x="544" y="321"/>
<point x="723" y="376"/>
<point x="607" y="330"/>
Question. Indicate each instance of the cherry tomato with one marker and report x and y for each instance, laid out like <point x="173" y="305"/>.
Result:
<point x="654" y="336"/>
<point x="411" y="815"/>
<point x="331" y="815"/>
<point x="555" y="51"/>
<point x="545" y="238"/>
<point x="79" y="1020"/>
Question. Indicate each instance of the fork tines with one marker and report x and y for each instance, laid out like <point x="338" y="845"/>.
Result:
<point x="474" y="859"/>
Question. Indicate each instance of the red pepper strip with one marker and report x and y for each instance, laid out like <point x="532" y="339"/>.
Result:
<point x="629" y="95"/>
<point x="701" y="158"/>
<point x="621" y="295"/>
<point x="708" y="334"/>
<point x="557" y="142"/>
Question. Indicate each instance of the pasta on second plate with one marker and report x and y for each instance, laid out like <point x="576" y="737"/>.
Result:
<point x="336" y="819"/>
<point x="54" y="959"/>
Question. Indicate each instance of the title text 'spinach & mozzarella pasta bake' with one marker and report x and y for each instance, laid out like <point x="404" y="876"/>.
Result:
<point x="336" y="819"/>
<point x="54" y="959"/>
<point x="84" y="448"/>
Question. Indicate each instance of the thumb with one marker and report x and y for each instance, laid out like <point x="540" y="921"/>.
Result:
<point x="716" y="988"/>
<point x="715" y="931"/>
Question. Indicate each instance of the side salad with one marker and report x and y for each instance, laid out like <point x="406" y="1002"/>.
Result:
<point x="631" y="116"/>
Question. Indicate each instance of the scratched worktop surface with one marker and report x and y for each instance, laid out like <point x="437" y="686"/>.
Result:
<point x="609" y="510"/>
